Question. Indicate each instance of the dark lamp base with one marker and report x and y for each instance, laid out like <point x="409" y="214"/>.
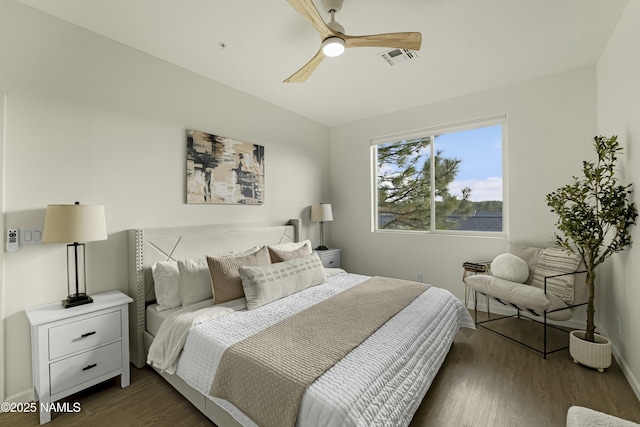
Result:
<point x="76" y="300"/>
<point x="322" y="248"/>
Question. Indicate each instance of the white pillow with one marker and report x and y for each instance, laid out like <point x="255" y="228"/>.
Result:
<point x="196" y="280"/>
<point x="168" y="288"/>
<point x="290" y="246"/>
<point x="510" y="267"/>
<point x="267" y="283"/>
<point x="279" y="255"/>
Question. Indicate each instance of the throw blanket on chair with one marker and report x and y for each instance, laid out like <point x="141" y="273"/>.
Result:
<point x="266" y="375"/>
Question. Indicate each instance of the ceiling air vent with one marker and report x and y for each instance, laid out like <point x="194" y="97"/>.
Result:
<point x="396" y="56"/>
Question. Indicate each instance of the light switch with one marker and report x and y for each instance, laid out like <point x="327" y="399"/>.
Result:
<point x="31" y="236"/>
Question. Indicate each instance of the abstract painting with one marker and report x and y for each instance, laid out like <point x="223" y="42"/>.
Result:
<point x="224" y="170"/>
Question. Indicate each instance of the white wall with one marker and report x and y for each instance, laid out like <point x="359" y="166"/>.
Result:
<point x="550" y="123"/>
<point x="92" y="120"/>
<point x="618" y="94"/>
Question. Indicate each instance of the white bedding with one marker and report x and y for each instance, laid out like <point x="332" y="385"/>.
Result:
<point x="382" y="382"/>
<point x="169" y="341"/>
<point x="155" y="318"/>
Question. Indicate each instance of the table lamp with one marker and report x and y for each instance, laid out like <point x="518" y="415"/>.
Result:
<point x="75" y="224"/>
<point x="321" y="213"/>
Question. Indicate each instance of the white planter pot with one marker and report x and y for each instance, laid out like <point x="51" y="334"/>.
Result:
<point x="592" y="354"/>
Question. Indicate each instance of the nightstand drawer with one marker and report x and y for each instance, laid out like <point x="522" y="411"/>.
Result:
<point x="85" y="366"/>
<point x="83" y="334"/>
<point x="331" y="260"/>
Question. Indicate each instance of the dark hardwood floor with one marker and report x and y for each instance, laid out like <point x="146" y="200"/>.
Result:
<point x="486" y="380"/>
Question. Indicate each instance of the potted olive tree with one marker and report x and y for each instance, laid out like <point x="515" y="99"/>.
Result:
<point x="594" y="220"/>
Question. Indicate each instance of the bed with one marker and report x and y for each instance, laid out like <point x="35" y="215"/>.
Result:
<point x="381" y="380"/>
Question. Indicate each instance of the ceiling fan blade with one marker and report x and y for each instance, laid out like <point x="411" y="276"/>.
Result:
<point x="303" y="73"/>
<point x="311" y="14"/>
<point x="408" y="40"/>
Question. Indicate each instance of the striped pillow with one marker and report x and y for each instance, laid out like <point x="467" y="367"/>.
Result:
<point x="271" y="282"/>
<point x="555" y="261"/>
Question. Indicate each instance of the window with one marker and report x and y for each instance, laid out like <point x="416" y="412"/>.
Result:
<point x="446" y="179"/>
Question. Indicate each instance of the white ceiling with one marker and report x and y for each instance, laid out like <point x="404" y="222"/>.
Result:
<point x="468" y="46"/>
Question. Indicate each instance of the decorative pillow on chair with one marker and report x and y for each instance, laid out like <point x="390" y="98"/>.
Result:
<point x="510" y="267"/>
<point x="554" y="261"/>
<point x="530" y="254"/>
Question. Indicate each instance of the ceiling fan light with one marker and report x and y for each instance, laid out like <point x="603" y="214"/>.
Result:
<point x="333" y="46"/>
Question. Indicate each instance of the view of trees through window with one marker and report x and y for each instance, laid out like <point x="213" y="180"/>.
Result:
<point x="443" y="181"/>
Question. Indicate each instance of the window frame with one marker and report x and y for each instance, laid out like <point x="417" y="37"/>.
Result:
<point x="432" y="132"/>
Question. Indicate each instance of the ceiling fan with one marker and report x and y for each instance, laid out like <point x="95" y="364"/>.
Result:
<point x="335" y="41"/>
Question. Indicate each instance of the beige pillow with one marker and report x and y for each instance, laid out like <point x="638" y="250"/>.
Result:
<point x="271" y="282"/>
<point x="225" y="277"/>
<point x="279" y="255"/>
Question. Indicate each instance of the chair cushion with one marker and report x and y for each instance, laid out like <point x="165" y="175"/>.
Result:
<point x="510" y="267"/>
<point x="523" y="296"/>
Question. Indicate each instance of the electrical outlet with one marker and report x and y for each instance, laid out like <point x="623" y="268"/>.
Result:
<point x="419" y="277"/>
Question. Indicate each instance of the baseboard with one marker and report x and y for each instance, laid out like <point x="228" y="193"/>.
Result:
<point x="22" y="397"/>
<point x="626" y="370"/>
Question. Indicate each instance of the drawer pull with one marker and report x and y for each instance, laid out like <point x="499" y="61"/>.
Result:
<point x="87" y="334"/>
<point x="93" y="365"/>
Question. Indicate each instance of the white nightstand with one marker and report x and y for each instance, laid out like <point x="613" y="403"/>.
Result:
<point x="76" y="348"/>
<point x="330" y="257"/>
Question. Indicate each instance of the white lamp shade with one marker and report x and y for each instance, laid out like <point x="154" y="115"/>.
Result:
<point x="74" y="223"/>
<point x="321" y="212"/>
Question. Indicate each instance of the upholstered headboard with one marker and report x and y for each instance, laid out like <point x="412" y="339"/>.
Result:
<point x="147" y="246"/>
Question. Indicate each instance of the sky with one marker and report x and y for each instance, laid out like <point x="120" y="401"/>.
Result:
<point x="481" y="168"/>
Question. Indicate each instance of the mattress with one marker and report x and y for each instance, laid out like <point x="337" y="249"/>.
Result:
<point x="381" y="382"/>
